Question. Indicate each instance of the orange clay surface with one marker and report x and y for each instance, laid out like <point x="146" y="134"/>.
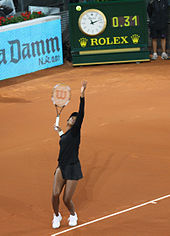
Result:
<point x="124" y="152"/>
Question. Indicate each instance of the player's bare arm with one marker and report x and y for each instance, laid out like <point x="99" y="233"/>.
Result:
<point x="83" y="88"/>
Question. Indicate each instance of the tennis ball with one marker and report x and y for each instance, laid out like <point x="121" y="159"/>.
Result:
<point x="78" y="8"/>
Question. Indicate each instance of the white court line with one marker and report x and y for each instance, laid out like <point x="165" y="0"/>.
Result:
<point x="114" y="214"/>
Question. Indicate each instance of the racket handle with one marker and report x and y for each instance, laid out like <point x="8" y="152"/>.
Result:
<point x="57" y="121"/>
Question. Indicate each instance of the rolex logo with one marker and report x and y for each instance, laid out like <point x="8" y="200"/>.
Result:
<point x="83" y="42"/>
<point x="135" y="38"/>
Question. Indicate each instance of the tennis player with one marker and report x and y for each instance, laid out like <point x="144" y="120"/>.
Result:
<point x="68" y="171"/>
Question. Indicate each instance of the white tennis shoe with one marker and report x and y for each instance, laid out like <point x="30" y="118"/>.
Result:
<point x="154" y="56"/>
<point x="164" y="56"/>
<point x="56" y="221"/>
<point x="73" y="220"/>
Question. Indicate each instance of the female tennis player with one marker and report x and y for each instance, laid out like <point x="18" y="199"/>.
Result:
<point x="68" y="171"/>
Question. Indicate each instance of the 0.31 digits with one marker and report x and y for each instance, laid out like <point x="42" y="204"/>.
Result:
<point x="125" y="21"/>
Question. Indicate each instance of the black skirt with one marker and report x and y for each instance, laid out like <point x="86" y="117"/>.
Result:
<point x="71" y="171"/>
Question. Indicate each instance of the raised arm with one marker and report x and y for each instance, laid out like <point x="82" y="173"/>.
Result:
<point x="83" y="88"/>
<point x="80" y="115"/>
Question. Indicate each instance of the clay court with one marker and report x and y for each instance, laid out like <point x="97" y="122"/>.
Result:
<point x="124" y="152"/>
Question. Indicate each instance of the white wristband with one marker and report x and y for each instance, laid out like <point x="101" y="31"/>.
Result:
<point x="60" y="133"/>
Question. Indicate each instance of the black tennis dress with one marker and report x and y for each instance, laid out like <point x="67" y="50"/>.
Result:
<point x="69" y="149"/>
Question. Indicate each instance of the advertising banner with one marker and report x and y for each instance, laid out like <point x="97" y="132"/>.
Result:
<point x="31" y="47"/>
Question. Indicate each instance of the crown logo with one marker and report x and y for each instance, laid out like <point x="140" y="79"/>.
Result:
<point x="83" y="42"/>
<point x="135" y="38"/>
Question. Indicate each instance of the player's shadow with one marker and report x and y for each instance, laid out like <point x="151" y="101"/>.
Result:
<point x="93" y="175"/>
<point x="13" y="100"/>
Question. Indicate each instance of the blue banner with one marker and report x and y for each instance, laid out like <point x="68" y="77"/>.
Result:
<point x="30" y="48"/>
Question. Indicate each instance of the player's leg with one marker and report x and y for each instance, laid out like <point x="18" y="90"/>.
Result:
<point x="58" y="185"/>
<point x="69" y="190"/>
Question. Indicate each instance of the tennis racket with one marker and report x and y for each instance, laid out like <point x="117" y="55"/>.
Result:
<point x="61" y="95"/>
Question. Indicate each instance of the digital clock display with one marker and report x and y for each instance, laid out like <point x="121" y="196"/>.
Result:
<point x="125" y="21"/>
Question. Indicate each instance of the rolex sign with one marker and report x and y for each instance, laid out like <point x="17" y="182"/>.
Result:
<point x="108" y="32"/>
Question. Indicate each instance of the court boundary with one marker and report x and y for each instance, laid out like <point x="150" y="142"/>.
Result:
<point x="154" y="201"/>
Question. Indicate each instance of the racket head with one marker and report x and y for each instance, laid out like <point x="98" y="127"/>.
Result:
<point x="61" y="95"/>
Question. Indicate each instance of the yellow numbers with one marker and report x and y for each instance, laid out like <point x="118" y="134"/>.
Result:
<point x="115" y="21"/>
<point x="127" y="21"/>
<point x="135" y="19"/>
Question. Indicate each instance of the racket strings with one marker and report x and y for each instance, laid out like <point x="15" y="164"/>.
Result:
<point x="61" y="95"/>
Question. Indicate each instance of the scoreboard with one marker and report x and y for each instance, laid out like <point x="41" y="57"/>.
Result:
<point x="108" y="32"/>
